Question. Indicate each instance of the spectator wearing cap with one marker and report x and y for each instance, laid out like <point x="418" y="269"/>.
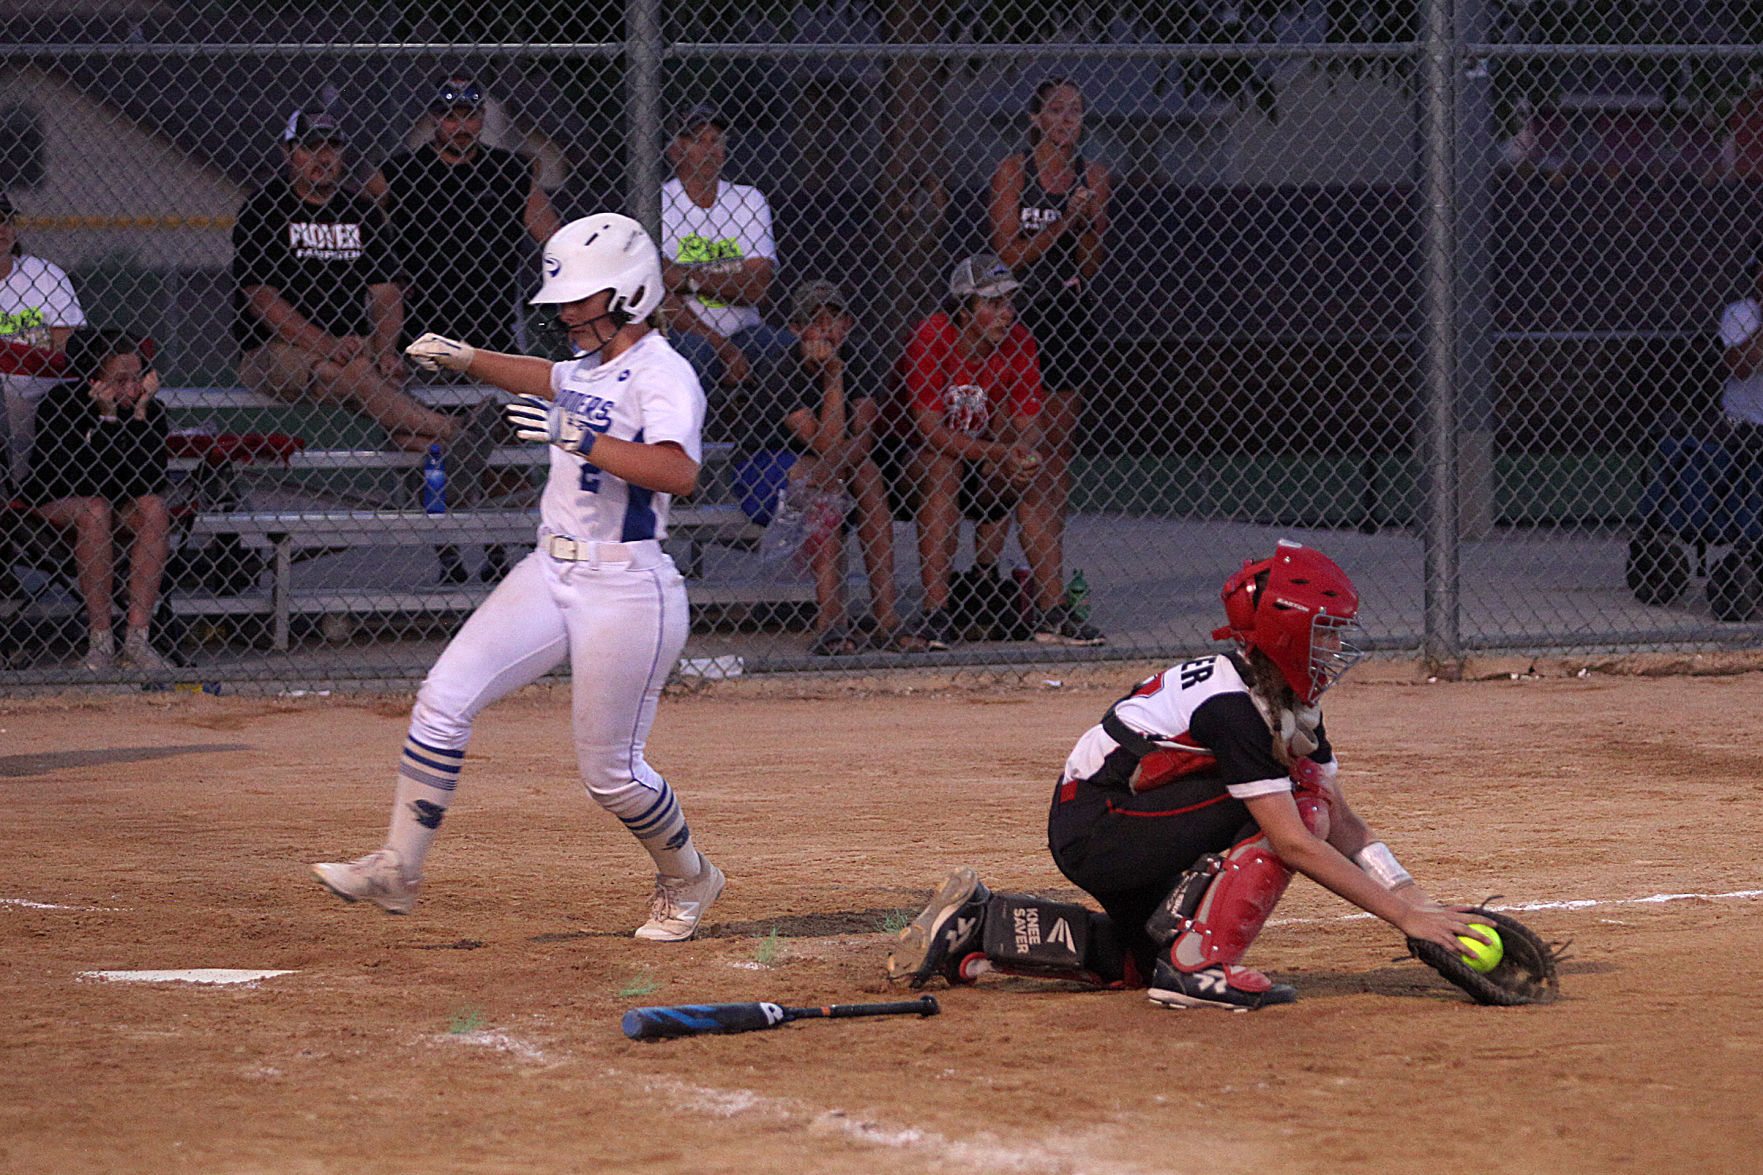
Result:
<point x="38" y="312"/>
<point x="99" y="467"/>
<point x="317" y="308"/>
<point x="460" y="210"/>
<point x="718" y="255"/>
<point x="973" y="382"/>
<point x="808" y="417"/>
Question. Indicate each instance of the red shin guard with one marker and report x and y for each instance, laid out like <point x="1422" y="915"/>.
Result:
<point x="1247" y="884"/>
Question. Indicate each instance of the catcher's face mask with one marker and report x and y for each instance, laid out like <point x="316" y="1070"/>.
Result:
<point x="1301" y="610"/>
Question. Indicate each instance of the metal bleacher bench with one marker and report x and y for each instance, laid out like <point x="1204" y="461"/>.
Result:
<point x="289" y="533"/>
<point x="286" y="533"/>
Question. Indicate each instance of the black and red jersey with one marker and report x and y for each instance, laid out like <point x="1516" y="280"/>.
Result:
<point x="1194" y="723"/>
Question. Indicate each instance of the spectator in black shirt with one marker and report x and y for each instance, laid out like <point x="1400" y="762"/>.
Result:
<point x="98" y="462"/>
<point x="318" y="311"/>
<point x="458" y="209"/>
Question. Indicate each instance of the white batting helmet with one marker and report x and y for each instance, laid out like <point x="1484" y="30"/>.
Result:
<point x="604" y="251"/>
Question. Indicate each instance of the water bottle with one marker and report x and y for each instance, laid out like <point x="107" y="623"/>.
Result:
<point x="434" y="482"/>
<point x="1077" y="597"/>
<point x="825" y="512"/>
<point x="786" y="531"/>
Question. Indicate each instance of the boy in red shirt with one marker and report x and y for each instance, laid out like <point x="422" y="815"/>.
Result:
<point x="974" y="385"/>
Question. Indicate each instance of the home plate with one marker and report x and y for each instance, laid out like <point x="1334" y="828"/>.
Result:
<point x="193" y="975"/>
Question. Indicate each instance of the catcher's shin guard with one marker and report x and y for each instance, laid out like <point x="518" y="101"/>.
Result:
<point x="1222" y="901"/>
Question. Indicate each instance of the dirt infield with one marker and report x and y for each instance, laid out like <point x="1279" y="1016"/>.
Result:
<point x="481" y="1033"/>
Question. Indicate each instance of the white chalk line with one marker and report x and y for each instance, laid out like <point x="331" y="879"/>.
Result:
<point x="1055" y="1155"/>
<point x="206" y="975"/>
<point x="1572" y="904"/>
<point x="27" y="904"/>
<point x="502" y="1042"/>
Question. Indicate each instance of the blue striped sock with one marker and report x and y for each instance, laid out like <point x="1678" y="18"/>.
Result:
<point x="427" y="776"/>
<point x="655" y="818"/>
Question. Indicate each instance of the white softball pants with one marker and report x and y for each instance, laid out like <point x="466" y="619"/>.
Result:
<point x="621" y="619"/>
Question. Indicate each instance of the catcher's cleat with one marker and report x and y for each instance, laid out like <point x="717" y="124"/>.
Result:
<point x="378" y="878"/>
<point x="679" y="903"/>
<point x="1221" y="986"/>
<point x="944" y="937"/>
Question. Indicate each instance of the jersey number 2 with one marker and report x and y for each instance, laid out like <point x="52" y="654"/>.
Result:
<point x="589" y="482"/>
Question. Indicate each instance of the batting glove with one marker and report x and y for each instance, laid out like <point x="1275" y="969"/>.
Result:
<point x="432" y="352"/>
<point x="534" y="419"/>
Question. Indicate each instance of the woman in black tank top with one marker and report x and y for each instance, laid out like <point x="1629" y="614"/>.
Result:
<point x="1049" y="211"/>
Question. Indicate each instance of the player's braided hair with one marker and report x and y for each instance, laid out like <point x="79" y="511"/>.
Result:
<point x="1270" y="687"/>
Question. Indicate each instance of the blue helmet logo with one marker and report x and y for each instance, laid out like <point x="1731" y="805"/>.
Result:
<point x="552" y="266"/>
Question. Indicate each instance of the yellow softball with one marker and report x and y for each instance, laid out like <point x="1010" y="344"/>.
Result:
<point x="1482" y="956"/>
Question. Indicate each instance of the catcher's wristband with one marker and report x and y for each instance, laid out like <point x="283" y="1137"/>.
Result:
<point x="1377" y="860"/>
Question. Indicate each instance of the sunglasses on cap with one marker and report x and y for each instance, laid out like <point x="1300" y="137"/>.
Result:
<point x="454" y="94"/>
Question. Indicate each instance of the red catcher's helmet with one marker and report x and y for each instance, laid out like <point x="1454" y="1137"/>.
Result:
<point x="1303" y="616"/>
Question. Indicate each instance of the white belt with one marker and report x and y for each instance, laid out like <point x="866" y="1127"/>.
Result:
<point x="580" y="551"/>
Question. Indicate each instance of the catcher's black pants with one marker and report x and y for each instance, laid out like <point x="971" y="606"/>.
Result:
<point x="1127" y="851"/>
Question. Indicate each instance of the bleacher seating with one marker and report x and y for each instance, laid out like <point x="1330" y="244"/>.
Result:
<point x="290" y="536"/>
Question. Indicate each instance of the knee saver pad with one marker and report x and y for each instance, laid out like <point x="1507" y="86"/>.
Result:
<point x="1177" y="910"/>
<point x="1029" y="934"/>
<point x="1235" y="907"/>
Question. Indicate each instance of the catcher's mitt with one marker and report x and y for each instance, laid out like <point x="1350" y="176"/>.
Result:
<point x="1525" y="973"/>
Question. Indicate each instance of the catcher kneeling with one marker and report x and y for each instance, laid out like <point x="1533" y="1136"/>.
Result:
<point x="1187" y="809"/>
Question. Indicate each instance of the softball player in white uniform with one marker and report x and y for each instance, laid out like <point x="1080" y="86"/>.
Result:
<point x="624" y="419"/>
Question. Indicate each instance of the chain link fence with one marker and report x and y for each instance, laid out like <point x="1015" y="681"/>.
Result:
<point x="1021" y="325"/>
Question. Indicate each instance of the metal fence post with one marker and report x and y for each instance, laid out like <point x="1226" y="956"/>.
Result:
<point x="642" y="82"/>
<point x="1442" y="640"/>
<point x="1471" y="95"/>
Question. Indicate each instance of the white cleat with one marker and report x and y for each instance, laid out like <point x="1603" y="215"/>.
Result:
<point x="377" y="878"/>
<point x="679" y="904"/>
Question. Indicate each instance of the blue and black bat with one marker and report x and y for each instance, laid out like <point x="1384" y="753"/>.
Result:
<point x="706" y="1019"/>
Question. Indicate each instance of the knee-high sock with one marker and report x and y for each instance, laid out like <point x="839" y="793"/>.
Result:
<point x="427" y="776"/>
<point x="654" y="817"/>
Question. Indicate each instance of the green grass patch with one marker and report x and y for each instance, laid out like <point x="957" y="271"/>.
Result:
<point x="465" y="1019"/>
<point x="640" y="986"/>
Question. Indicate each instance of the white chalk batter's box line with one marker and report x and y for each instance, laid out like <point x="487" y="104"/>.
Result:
<point x="27" y="904"/>
<point x="1574" y="904"/>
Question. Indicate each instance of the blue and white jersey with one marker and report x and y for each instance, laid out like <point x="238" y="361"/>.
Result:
<point x="648" y="394"/>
